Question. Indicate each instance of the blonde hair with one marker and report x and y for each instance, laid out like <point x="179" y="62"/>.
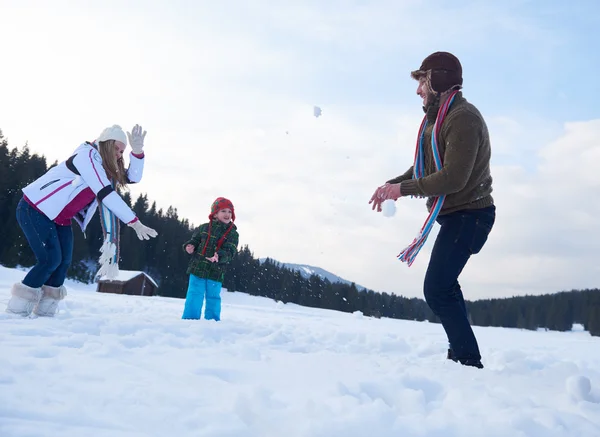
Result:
<point x="114" y="168"/>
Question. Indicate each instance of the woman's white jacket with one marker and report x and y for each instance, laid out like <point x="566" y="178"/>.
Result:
<point x="54" y="190"/>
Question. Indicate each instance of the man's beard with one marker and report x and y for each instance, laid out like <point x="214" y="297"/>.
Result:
<point x="433" y="99"/>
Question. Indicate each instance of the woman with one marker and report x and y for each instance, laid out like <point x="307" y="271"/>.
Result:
<point x="75" y="189"/>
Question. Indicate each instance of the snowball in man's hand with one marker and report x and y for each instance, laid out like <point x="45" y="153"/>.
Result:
<point x="388" y="208"/>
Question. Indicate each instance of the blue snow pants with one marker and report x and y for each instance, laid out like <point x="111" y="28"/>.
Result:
<point x="197" y="289"/>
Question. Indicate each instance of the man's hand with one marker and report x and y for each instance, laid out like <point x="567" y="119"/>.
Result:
<point x="391" y="191"/>
<point x="376" y="198"/>
<point x="190" y="248"/>
<point x="385" y="192"/>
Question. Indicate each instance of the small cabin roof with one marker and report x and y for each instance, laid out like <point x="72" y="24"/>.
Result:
<point x="127" y="275"/>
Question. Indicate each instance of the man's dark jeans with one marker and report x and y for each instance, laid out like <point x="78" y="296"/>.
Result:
<point x="52" y="245"/>
<point x="462" y="234"/>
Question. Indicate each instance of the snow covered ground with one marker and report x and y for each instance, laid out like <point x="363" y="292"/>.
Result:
<point x="110" y="365"/>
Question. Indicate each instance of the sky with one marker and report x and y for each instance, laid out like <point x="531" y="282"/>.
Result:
<point x="226" y="91"/>
<point x="127" y="366"/>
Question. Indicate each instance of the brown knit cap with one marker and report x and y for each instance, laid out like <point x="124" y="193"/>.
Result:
<point x="445" y="71"/>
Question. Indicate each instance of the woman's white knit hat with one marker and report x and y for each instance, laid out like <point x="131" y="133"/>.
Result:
<point x="113" y="133"/>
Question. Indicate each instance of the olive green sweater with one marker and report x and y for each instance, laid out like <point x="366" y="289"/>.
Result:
<point x="464" y="144"/>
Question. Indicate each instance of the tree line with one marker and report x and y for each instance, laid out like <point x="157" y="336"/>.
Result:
<point x="165" y="261"/>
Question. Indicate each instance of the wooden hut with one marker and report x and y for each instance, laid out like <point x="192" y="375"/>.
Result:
<point x="129" y="282"/>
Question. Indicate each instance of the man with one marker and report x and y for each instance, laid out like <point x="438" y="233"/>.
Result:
<point x="452" y="169"/>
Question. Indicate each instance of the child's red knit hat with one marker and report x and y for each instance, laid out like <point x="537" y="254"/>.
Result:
<point x="219" y="204"/>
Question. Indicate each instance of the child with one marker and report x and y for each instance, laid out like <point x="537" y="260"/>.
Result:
<point x="212" y="247"/>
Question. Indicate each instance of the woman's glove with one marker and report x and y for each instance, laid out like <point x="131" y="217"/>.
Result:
<point x="143" y="232"/>
<point x="136" y="139"/>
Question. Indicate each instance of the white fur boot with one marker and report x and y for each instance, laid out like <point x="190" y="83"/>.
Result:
<point x="49" y="303"/>
<point x="23" y="299"/>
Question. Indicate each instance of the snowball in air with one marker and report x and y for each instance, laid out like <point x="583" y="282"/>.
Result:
<point x="388" y="208"/>
<point x="316" y="111"/>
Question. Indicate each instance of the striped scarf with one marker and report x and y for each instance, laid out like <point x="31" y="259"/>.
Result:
<point x="409" y="254"/>
<point x="109" y="252"/>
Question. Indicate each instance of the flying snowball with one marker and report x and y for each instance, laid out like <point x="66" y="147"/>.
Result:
<point x="388" y="208"/>
<point x="317" y="111"/>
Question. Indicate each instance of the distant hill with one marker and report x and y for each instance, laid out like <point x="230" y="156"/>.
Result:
<point x="307" y="271"/>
